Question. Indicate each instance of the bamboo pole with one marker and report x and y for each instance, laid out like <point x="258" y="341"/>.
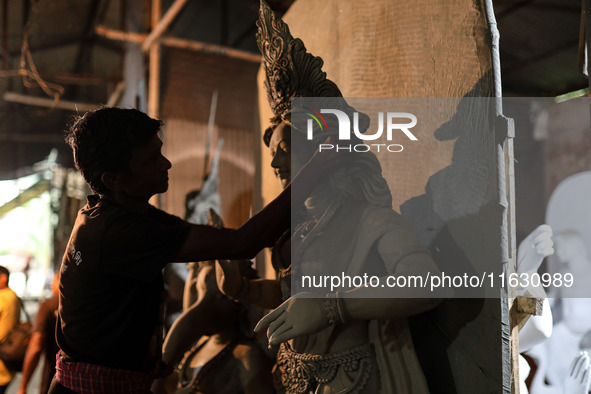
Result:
<point x="116" y="95"/>
<point x="154" y="78"/>
<point x="78" y="79"/>
<point x="119" y="35"/>
<point x="159" y="26"/>
<point x="180" y="43"/>
<point x="32" y="138"/>
<point x="154" y="72"/>
<point x="506" y="196"/>
<point x="211" y="48"/>
<point x="5" y="34"/>
<point x="50" y="103"/>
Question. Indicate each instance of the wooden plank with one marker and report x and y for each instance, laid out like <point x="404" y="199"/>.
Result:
<point x="524" y="308"/>
<point x="529" y="305"/>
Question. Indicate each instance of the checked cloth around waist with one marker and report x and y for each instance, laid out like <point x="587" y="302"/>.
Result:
<point x="85" y="378"/>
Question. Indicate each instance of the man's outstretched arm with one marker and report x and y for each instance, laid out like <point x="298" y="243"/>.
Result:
<point x="264" y="228"/>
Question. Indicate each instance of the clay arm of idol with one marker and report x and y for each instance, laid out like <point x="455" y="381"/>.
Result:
<point x="530" y="254"/>
<point x="534" y="248"/>
<point x="184" y="332"/>
<point x="286" y="321"/>
<point x="180" y="337"/>
<point x="265" y="293"/>
<point x="190" y="291"/>
<point x="579" y="378"/>
<point x="254" y="371"/>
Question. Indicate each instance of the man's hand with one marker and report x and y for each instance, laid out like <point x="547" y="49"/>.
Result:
<point x="293" y="318"/>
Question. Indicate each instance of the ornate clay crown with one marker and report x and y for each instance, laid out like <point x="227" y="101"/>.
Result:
<point x="290" y="70"/>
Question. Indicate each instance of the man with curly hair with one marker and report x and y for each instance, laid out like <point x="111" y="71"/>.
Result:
<point x="111" y="286"/>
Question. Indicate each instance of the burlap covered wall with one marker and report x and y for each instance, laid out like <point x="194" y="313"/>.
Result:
<point x="446" y="184"/>
<point x="189" y="80"/>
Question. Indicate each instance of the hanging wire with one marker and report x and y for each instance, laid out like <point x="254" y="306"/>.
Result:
<point x="27" y="70"/>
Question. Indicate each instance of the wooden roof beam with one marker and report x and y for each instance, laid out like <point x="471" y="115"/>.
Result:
<point x="49" y="103"/>
<point x="163" y="24"/>
<point x="180" y="43"/>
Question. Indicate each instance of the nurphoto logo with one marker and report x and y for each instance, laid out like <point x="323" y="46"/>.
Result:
<point x="395" y="122"/>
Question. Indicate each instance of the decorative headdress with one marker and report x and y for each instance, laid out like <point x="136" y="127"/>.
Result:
<point x="290" y="70"/>
<point x="293" y="72"/>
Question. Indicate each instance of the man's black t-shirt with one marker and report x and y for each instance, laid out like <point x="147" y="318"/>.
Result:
<point x="111" y="286"/>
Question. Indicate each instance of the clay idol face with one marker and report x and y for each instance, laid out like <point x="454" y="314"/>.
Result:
<point x="287" y="158"/>
<point x="280" y="148"/>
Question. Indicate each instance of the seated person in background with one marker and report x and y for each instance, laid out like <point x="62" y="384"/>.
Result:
<point x="10" y="309"/>
<point x="42" y="341"/>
